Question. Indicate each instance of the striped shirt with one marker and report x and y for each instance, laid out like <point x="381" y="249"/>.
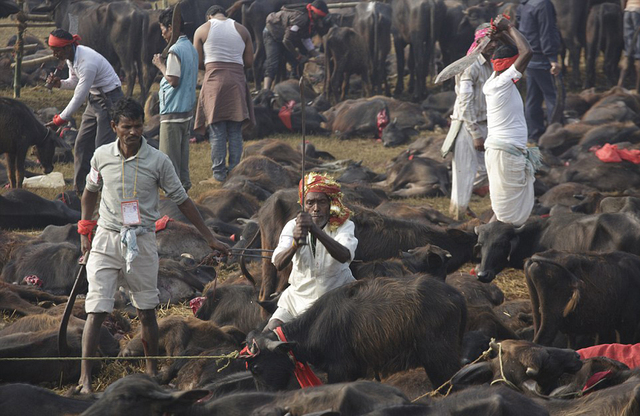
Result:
<point x="470" y="106"/>
<point x="143" y="173"/>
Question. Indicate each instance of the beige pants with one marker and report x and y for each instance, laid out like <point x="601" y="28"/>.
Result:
<point x="106" y="264"/>
<point x="467" y="171"/>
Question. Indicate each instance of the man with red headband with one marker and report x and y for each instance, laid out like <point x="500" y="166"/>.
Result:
<point x="510" y="164"/>
<point x="323" y="262"/>
<point x="288" y="33"/>
<point x="469" y="129"/>
<point x="90" y="75"/>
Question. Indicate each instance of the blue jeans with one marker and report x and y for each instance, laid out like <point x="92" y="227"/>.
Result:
<point x="219" y="134"/>
<point x="540" y="86"/>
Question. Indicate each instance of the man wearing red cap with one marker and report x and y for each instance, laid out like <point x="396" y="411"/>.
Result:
<point x="288" y="33"/>
<point x="323" y="262"/>
<point x="92" y="76"/>
<point x="510" y="164"/>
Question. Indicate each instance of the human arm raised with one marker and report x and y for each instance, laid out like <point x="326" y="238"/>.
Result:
<point x="524" y="49"/>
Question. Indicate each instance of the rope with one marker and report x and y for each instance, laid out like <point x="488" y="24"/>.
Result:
<point x="231" y="356"/>
<point x="436" y="392"/>
<point x="503" y="379"/>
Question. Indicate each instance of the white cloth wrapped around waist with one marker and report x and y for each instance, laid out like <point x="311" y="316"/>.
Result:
<point x="532" y="154"/>
<point x="129" y="240"/>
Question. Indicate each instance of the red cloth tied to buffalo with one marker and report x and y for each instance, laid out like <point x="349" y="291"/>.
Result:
<point x="316" y="182"/>
<point x="304" y="374"/>
<point x="57" y="42"/>
<point x="500" y="64"/>
<point x="609" y="153"/>
<point x="86" y="227"/>
<point x="161" y="224"/>
<point x="285" y="114"/>
<point x="628" y="354"/>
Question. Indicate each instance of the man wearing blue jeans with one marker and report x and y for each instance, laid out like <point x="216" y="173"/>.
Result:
<point x="537" y="22"/>
<point x="232" y="130"/>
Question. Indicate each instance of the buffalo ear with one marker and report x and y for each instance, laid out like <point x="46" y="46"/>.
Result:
<point x="479" y="373"/>
<point x="434" y="260"/>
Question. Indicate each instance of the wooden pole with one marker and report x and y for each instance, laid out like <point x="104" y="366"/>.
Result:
<point x="35" y="61"/>
<point x="25" y="47"/>
<point x="17" y="73"/>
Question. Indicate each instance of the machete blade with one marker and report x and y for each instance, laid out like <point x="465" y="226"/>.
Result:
<point x="463" y="63"/>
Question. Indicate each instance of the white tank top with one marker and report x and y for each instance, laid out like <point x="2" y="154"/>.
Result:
<point x="224" y="43"/>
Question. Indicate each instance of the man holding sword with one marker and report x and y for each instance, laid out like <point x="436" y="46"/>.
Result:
<point x="129" y="173"/>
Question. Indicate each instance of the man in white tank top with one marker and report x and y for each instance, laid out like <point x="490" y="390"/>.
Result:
<point x="224" y="50"/>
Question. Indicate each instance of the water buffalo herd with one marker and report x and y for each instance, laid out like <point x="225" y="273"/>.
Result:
<point x="425" y="329"/>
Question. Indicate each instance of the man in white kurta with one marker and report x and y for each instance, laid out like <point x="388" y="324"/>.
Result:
<point x="510" y="163"/>
<point x="322" y="264"/>
<point x="470" y="117"/>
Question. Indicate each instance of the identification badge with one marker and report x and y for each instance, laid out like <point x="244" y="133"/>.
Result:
<point x="130" y="212"/>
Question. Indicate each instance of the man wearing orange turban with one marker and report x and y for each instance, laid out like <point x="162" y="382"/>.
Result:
<point x="323" y="263"/>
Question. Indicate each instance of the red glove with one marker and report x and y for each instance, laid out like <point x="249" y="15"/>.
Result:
<point x="59" y="121"/>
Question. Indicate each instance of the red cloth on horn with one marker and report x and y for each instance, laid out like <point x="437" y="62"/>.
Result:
<point x="304" y="374"/>
<point x="86" y="227"/>
<point x="57" y="42"/>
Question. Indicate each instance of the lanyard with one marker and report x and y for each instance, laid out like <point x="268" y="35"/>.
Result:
<point x="135" y="179"/>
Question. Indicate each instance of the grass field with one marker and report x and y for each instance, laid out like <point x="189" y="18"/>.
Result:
<point x="371" y="153"/>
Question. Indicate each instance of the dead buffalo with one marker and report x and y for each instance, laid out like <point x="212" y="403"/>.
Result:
<point x="517" y="362"/>
<point x="358" y="330"/>
<point x="586" y="294"/>
<point x="20" y="209"/>
<point x="411" y="176"/>
<point x="235" y="305"/>
<point x="180" y="281"/>
<point x="28" y="400"/>
<point x="179" y="333"/>
<point x="502" y="245"/>
<point x="19" y="130"/>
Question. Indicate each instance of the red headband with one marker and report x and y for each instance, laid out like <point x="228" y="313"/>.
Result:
<point x="316" y="10"/>
<point x="57" y="42"/>
<point x="501" y="64"/>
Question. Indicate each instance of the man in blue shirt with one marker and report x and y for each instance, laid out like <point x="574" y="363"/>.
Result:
<point x="537" y="22"/>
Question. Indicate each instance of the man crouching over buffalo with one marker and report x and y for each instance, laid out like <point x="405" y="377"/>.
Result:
<point x="322" y="263"/>
<point x="129" y="173"/>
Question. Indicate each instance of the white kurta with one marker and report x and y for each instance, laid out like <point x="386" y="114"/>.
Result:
<point x="510" y="184"/>
<point x="313" y="276"/>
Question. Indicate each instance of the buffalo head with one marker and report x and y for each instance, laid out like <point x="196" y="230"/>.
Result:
<point x="393" y="135"/>
<point x="268" y="360"/>
<point x="428" y="259"/>
<point x="496" y="243"/>
<point x="46" y="149"/>
<point x="521" y="363"/>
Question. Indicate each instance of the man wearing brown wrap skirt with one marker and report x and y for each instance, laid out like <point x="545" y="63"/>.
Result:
<point x="224" y="50"/>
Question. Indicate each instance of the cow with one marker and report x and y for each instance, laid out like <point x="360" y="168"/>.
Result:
<point x="604" y="34"/>
<point x="370" y="227"/>
<point x="357" y="330"/>
<point x="586" y="294"/>
<point x="179" y="333"/>
<point x="373" y="22"/>
<point x="19" y="130"/>
<point x="518" y="362"/>
<point x="416" y="23"/>
<point x="502" y="245"/>
<point x="345" y="53"/>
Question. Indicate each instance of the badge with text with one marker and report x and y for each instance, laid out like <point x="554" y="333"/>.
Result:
<point x="130" y="212"/>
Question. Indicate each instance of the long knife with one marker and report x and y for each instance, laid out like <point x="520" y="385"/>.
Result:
<point x="63" y="347"/>
<point x="463" y="63"/>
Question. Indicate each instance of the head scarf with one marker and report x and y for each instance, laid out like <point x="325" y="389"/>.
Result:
<point x="481" y="32"/>
<point x="316" y="182"/>
<point x="320" y="8"/>
<point x="500" y="64"/>
<point x="57" y="42"/>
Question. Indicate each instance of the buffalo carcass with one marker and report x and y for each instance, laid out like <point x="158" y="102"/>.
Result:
<point x="370" y="228"/>
<point x="416" y="23"/>
<point x="357" y="329"/>
<point x="604" y="34"/>
<point x="502" y="245"/>
<point x="235" y="305"/>
<point x="591" y="294"/>
<point x="27" y="400"/>
<point x="517" y="362"/>
<point x="19" y="130"/>
<point x="345" y="53"/>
